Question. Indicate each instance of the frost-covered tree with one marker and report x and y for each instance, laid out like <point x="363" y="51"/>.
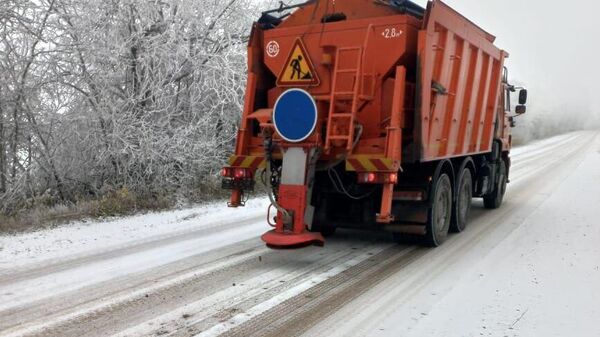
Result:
<point x="121" y="93"/>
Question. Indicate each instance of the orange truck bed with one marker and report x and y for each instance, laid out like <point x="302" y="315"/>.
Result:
<point x="460" y="74"/>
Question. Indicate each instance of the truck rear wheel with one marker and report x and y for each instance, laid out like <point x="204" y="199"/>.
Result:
<point x="462" y="204"/>
<point x="326" y="231"/>
<point x="494" y="199"/>
<point x="440" y="212"/>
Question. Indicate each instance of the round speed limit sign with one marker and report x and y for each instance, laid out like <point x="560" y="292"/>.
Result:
<point x="272" y="48"/>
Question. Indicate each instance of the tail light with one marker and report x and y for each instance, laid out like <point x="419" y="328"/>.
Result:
<point x="227" y="172"/>
<point x="237" y="179"/>
<point x="241" y="173"/>
<point x="236" y="173"/>
<point x="377" y="178"/>
<point x="367" y="178"/>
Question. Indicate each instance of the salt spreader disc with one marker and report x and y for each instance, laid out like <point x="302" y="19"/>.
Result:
<point x="295" y="115"/>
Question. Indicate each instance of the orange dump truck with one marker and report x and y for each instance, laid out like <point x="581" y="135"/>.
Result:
<point x="372" y="114"/>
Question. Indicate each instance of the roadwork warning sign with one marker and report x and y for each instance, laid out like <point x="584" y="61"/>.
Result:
<point x="298" y="69"/>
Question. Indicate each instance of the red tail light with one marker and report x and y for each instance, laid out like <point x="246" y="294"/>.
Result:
<point x="242" y="173"/>
<point x="377" y="178"/>
<point x="236" y="172"/>
<point x="392" y="178"/>
<point x="227" y="172"/>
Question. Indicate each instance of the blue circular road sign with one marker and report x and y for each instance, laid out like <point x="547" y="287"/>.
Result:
<point x="295" y="115"/>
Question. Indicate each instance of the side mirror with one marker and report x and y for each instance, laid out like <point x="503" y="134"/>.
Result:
<point x="521" y="109"/>
<point x="523" y="97"/>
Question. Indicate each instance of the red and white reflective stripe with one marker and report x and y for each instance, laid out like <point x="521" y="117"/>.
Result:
<point x="250" y="162"/>
<point x="369" y="164"/>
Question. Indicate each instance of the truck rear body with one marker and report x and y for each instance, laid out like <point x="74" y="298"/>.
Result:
<point x="399" y="91"/>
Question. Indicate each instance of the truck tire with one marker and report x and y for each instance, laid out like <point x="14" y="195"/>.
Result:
<point x="462" y="205"/>
<point x="494" y="199"/>
<point x="440" y="212"/>
<point x="326" y="231"/>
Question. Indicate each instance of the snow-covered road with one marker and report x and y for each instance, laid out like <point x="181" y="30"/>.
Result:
<point x="530" y="268"/>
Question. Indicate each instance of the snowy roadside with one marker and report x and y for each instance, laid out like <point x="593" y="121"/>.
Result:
<point x="87" y="237"/>
<point x="540" y="144"/>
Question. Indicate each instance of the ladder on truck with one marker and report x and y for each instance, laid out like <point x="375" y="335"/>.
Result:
<point x="340" y="125"/>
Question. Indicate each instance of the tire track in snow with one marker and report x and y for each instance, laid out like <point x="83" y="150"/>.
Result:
<point x="284" y="304"/>
<point x="222" y="305"/>
<point x="116" y="312"/>
<point x="123" y="296"/>
<point x="23" y="292"/>
<point x="548" y="159"/>
<point x="125" y="249"/>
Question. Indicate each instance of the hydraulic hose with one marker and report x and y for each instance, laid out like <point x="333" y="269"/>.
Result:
<point x="268" y="145"/>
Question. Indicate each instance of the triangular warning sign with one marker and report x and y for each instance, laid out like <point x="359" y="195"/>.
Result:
<point x="298" y="68"/>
